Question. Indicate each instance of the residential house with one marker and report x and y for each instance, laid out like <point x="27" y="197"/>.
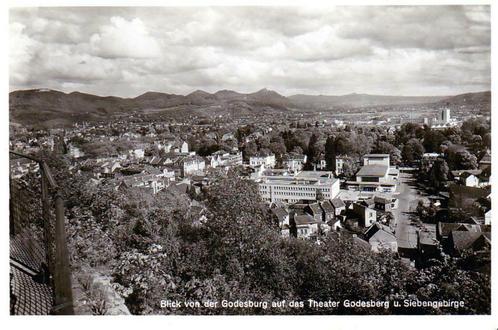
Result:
<point x="225" y="159"/>
<point x="75" y="152"/>
<point x="147" y="181"/>
<point x="487" y="218"/>
<point x="294" y="162"/>
<point x="485" y="161"/>
<point x="329" y="216"/>
<point x="328" y="211"/>
<point x="460" y="241"/>
<point x="306" y="226"/>
<point x="381" y="238"/>
<point x="192" y="166"/>
<point x="341" y="162"/>
<point x="268" y="161"/>
<point x="315" y="211"/>
<point x="338" y="205"/>
<point x="366" y="215"/>
<point x="428" y="245"/>
<point x="485" y="177"/>
<point x="383" y="203"/>
<point x="283" y="218"/>
<point x="468" y="178"/>
<point x="376" y="159"/>
<point x="444" y="231"/>
<point x="138" y="153"/>
<point x="466" y="198"/>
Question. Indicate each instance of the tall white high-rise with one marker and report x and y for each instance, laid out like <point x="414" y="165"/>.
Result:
<point x="445" y="115"/>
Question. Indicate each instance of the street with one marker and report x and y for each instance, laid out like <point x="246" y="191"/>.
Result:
<point x="408" y="198"/>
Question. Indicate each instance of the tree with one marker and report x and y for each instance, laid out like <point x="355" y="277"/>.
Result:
<point x="330" y="155"/>
<point x="382" y="147"/>
<point x="433" y="140"/>
<point x="460" y="159"/>
<point x="349" y="169"/>
<point x="298" y="150"/>
<point x="444" y="281"/>
<point x="408" y="131"/>
<point x="438" y="174"/>
<point x="250" y="149"/>
<point x="412" y="151"/>
<point x="311" y="152"/>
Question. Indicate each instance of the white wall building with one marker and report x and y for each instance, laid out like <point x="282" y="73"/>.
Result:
<point x="376" y="159"/>
<point x="375" y="175"/>
<point x="137" y="153"/>
<point x="267" y="161"/>
<point x="444" y="120"/>
<point x="225" y="159"/>
<point x="184" y="148"/>
<point x="340" y="161"/>
<point x="75" y="152"/>
<point x="192" y="165"/>
<point x="294" y="162"/>
<point x="445" y="115"/>
<point x="282" y="185"/>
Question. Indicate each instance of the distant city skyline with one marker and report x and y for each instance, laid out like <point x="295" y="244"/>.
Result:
<point x="402" y="50"/>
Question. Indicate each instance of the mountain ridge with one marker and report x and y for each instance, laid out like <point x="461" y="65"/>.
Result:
<point x="32" y="105"/>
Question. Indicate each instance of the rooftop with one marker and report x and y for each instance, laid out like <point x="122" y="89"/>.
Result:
<point x="427" y="238"/>
<point x="302" y="178"/>
<point x="382" y="236"/>
<point x="463" y="240"/>
<point x="314" y="174"/>
<point x="376" y="156"/>
<point x="337" y="202"/>
<point x="304" y="219"/>
<point x="327" y="206"/>
<point x="373" y="170"/>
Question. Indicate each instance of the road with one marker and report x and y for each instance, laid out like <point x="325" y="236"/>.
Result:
<point x="406" y="233"/>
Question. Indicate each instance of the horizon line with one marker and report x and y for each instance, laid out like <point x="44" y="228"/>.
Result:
<point x="230" y="90"/>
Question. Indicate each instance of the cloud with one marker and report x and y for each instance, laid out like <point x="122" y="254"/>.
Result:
<point x="411" y="50"/>
<point x="319" y="45"/>
<point x="22" y="50"/>
<point x="124" y="38"/>
<point x="429" y="27"/>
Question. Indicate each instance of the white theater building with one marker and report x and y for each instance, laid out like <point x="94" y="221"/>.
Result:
<point x="290" y="187"/>
<point x="376" y="175"/>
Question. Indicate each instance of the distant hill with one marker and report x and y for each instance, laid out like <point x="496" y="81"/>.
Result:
<point x="44" y="105"/>
<point x="482" y="99"/>
<point x="34" y="106"/>
<point x="359" y="100"/>
<point x="155" y="100"/>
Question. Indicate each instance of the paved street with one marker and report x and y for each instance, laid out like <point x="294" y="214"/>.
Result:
<point x="408" y="199"/>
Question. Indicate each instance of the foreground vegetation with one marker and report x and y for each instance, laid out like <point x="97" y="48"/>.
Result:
<point x="154" y="247"/>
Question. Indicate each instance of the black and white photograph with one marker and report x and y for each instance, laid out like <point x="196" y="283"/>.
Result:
<point x="249" y="160"/>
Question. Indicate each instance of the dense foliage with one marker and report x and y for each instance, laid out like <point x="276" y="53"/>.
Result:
<point x="161" y="247"/>
<point x="156" y="248"/>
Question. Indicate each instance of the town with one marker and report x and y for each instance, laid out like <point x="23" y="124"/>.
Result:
<point x="419" y="188"/>
<point x="251" y="160"/>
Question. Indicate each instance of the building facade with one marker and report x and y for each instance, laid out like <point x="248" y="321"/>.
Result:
<point x="376" y="175"/>
<point x="267" y="161"/>
<point x="281" y="185"/>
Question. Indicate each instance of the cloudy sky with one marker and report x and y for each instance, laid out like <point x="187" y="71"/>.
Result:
<point x="424" y="50"/>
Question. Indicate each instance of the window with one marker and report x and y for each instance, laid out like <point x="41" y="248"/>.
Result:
<point x="369" y="179"/>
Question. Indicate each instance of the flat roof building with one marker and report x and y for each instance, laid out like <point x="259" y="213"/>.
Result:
<point x="375" y="175"/>
<point x="288" y="187"/>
